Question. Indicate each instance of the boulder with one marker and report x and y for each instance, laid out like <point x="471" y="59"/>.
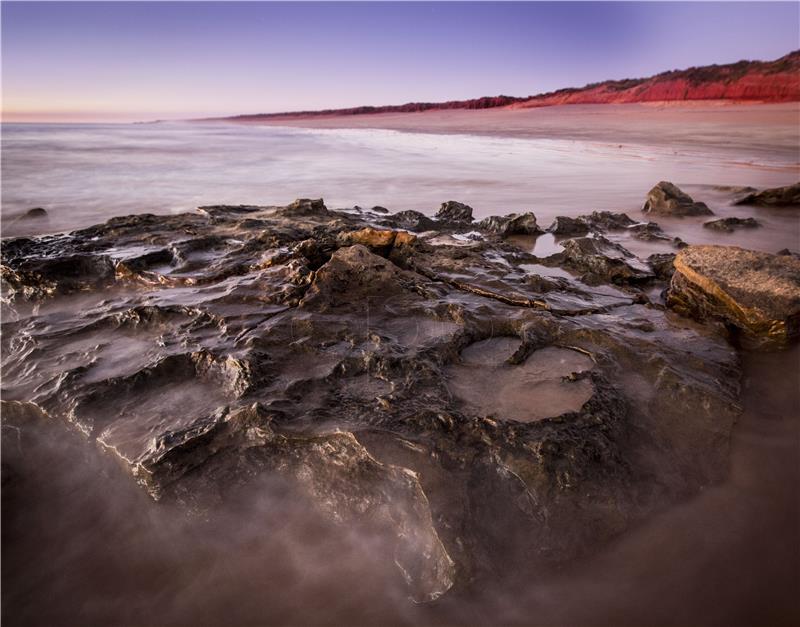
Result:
<point x="607" y="220"/>
<point x="511" y="224"/>
<point x="666" y="199"/>
<point x="755" y="294"/>
<point x="603" y="261"/>
<point x="564" y="225"/>
<point x="454" y="212"/>
<point x="729" y="224"/>
<point x="411" y="220"/>
<point x="788" y="196"/>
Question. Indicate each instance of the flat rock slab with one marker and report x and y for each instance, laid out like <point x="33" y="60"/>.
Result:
<point x="756" y="293"/>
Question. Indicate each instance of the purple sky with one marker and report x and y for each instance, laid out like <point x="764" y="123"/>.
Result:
<point x="140" y="60"/>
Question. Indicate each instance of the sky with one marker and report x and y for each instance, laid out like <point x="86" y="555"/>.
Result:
<point x="128" y="61"/>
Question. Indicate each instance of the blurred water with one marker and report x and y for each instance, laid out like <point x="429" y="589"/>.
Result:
<point x="85" y="173"/>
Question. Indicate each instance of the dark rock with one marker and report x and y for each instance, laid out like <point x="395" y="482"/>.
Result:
<point x="729" y="224"/>
<point x="43" y="277"/>
<point x="603" y="261"/>
<point x="511" y="224"/>
<point x="306" y="207"/>
<point x="756" y="293"/>
<point x="311" y="347"/>
<point x="662" y="265"/>
<point x="667" y="199"/>
<point x="379" y="209"/>
<point x="786" y="251"/>
<point x="411" y="220"/>
<point x="788" y="196"/>
<point x="455" y="212"/>
<point x="647" y="231"/>
<point x="35" y="213"/>
<point x="607" y="220"/>
<point x="564" y="225"/>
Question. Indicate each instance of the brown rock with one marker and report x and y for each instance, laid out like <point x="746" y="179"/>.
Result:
<point x="755" y="293"/>
<point x="667" y="199"/>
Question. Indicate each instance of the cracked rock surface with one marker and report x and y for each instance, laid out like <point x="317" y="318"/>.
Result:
<point x="483" y="407"/>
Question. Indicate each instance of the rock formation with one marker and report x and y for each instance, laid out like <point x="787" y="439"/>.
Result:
<point x="483" y="408"/>
<point x="755" y="294"/>
<point x="788" y="196"/>
<point x="666" y="199"/>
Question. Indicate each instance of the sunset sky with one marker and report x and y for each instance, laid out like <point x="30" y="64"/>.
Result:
<point x="138" y="61"/>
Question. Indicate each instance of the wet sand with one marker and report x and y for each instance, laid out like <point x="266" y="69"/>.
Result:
<point x="772" y="129"/>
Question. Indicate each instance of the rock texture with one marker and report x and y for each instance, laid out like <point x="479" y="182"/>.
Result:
<point x="666" y="199"/>
<point x="512" y="224"/>
<point x="454" y="212"/>
<point x="383" y="370"/>
<point x="729" y="224"/>
<point x="757" y="294"/>
<point x="788" y="196"/>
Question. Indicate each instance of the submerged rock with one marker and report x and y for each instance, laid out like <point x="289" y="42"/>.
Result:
<point x="512" y="224"/>
<point x="788" y="196"/>
<point x="757" y="294"/>
<point x="35" y="213"/>
<point x="729" y="224"/>
<point x="667" y="199"/>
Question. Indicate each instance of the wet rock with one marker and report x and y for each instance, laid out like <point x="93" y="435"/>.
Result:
<point x="667" y="199"/>
<point x="335" y="472"/>
<point x="411" y="220"/>
<point x="42" y="277"/>
<point x="454" y="212"/>
<point x="603" y="261"/>
<point x="306" y="207"/>
<point x="377" y="240"/>
<point x="662" y="265"/>
<point x="647" y="231"/>
<point x="379" y="209"/>
<point x="564" y="225"/>
<point x="728" y="225"/>
<point x="786" y="251"/>
<point x="754" y="293"/>
<point x="788" y="196"/>
<point x="511" y="224"/>
<point x="607" y="220"/>
<point x="344" y="355"/>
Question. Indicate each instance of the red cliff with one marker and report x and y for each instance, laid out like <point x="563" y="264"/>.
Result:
<point x="754" y="81"/>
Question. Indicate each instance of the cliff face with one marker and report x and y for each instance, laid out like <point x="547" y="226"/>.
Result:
<point x="759" y="81"/>
<point x="774" y="81"/>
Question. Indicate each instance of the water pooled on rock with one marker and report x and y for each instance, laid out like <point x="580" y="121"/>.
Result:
<point x="540" y="387"/>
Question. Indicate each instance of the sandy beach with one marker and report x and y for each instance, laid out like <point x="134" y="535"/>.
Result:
<point x="775" y="128"/>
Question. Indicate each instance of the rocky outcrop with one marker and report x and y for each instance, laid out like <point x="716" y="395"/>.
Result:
<point x="454" y="212"/>
<point x="757" y="295"/>
<point x="512" y="224"/>
<point x="666" y="199"/>
<point x="346" y="357"/>
<point x="788" y="196"/>
<point x="602" y="261"/>
<point x="728" y="225"/>
<point x="564" y="225"/>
